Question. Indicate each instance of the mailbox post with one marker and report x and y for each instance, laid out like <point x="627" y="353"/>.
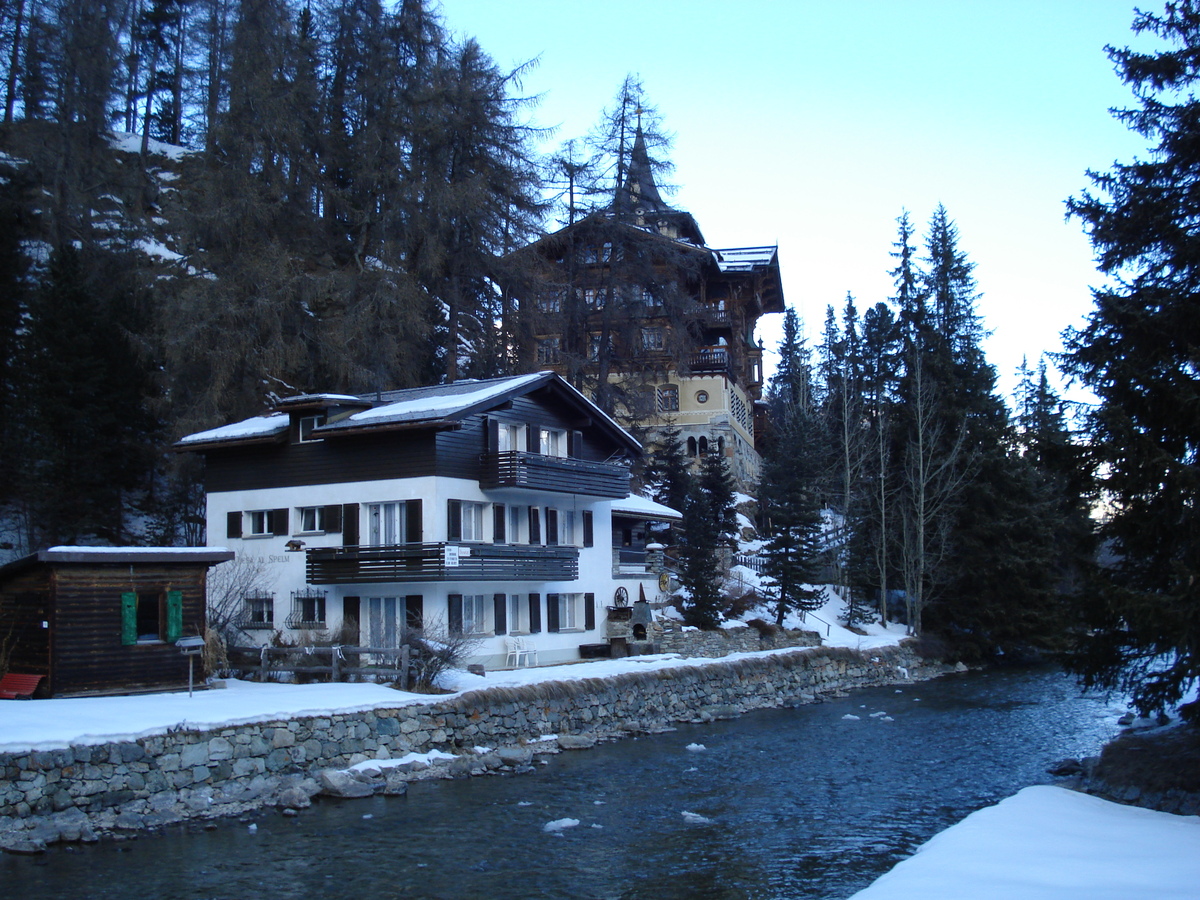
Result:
<point x="191" y="647"/>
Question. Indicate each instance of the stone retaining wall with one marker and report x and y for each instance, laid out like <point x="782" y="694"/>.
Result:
<point x="156" y="780"/>
<point x="721" y="642"/>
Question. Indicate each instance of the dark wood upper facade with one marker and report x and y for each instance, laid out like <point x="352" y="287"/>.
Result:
<point x="592" y="459"/>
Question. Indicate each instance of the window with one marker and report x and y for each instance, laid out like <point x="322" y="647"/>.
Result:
<point x="307" y="424"/>
<point x="514" y="524"/>
<point x="386" y="524"/>
<point x="516" y="614"/>
<point x="308" y="609"/>
<point x="474" y="614"/>
<point x="258" y="522"/>
<point x="566" y="521"/>
<point x="552" y="442"/>
<point x="652" y="338"/>
<point x="464" y="521"/>
<point x="668" y="399"/>
<point x="548" y="351"/>
<point x="600" y="254"/>
<point x="258" y="611"/>
<point x="593" y="298"/>
<point x="568" y="611"/>
<point x="150" y="617"/>
<point x="649" y="299"/>
<point x="550" y="302"/>
<point x="511" y="438"/>
<point x="382" y="621"/>
<point x="701" y="396"/>
<point x="312" y="519"/>
<point x="562" y="612"/>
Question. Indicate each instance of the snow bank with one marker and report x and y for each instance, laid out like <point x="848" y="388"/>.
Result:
<point x="1048" y="843"/>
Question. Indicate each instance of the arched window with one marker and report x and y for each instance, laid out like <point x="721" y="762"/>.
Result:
<point x="703" y="446"/>
<point x="691" y="446"/>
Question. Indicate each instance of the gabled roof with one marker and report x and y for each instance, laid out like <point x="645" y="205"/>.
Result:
<point x="436" y="406"/>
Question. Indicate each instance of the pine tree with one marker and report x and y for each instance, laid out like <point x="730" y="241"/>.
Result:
<point x="1137" y="352"/>
<point x="709" y="527"/>
<point x="793" y="470"/>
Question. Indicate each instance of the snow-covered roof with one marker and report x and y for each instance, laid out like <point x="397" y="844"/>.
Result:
<point x="424" y="406"/>
<point x="744" y="259"/>
<point x="443" y="401"/>
<point x="258" y="427"/>
<point x="637" y="505"/>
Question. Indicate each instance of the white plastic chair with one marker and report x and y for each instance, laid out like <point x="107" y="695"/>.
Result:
<point x="513" y="658"/>
<point x="519" y="653"/>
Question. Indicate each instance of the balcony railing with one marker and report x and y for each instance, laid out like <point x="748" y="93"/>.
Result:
<point x="553" y="473"/>
<point x="715" y="318"/>
<point x="710" y="360"/>
<point x="440" y="562"/>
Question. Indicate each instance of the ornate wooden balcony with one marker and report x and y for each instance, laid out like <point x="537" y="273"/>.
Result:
<point x="440" y="562"/>
<point x="553" y="473"/>
<point x="710" y="360"/>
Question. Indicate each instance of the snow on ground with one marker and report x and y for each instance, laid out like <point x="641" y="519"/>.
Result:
<point x="1049" y="843"/>
<point x="50" y="724"/>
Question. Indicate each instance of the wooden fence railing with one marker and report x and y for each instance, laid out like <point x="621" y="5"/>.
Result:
<point x="339" y="657"/>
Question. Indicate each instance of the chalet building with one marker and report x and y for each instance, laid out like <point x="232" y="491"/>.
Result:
<point x="630" y="301"/>
<point x="104" y="619"/>
<point x="481" y="508"/>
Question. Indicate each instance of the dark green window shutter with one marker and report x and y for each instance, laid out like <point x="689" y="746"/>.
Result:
<point x="279" y="521"/>
<point x="454" y="602"/>
<point x="551" y="526"/>
<point x="552" y="612"/>
<point x="535" y="613"/>
<point x="589" y="538"/>
<point x="493" y="435"/>
<point x="454" y="520"/>
<point x="576" y="444"/>
<point x="174" y="616"/>
<point x="535" y="526"/>
<point x="589" y="611"/>
<point x="498" y="520"/>
<point x="233" y="524"/>
<point x="414" y="526"/>
<point x="349" y="524"/>
<point x="332" y="516"/>
<point x="129" y="617"/>
<point x="498" y="613"/>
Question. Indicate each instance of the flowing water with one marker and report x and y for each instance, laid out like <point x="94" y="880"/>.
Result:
<point x="789" y="803"/>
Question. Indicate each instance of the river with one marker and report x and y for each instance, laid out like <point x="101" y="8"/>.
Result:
<point x="811" y="802"/>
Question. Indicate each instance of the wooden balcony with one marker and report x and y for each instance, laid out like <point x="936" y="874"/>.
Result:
<point x="563" y="475"/>
<point x="440" y="562"/>
<point x="711" y="361"/>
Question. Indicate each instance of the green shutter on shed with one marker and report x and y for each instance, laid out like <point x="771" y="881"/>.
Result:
<point x="174" y="616"/>
<point x="129" y="618"/>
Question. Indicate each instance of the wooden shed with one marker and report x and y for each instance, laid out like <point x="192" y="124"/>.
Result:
<point x="104" y="619"/>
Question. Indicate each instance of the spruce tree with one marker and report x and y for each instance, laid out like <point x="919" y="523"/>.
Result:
<point x="1138" y="353"/>
<point x="709" y="527"/>
<point x="789" y="493"/>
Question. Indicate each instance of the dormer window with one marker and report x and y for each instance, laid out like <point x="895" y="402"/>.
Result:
<point x="306" y="426"/>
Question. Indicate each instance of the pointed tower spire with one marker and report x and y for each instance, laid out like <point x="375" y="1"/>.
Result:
<point x="639" y="192"/>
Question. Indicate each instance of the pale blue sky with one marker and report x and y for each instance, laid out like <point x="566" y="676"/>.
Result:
<point x="812" y="124"/>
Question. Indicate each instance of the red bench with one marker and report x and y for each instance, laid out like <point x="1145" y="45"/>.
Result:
<point x="18" y="687"/>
